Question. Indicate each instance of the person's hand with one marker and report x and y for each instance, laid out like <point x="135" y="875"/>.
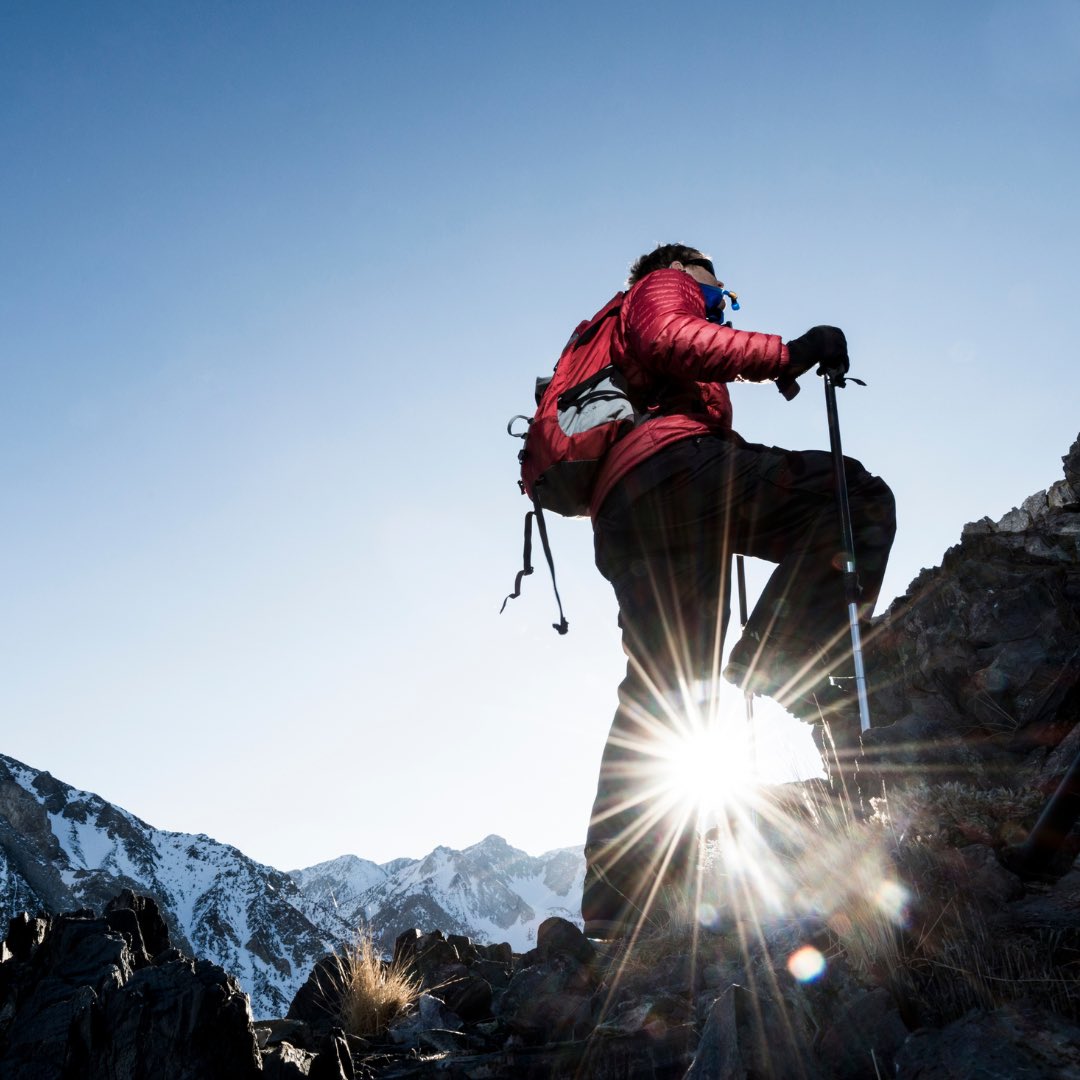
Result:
<point x="824" y="346"/>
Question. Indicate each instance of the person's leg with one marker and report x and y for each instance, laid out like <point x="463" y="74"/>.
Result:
<point x="671" y="584"/>
<point x="799" y="634"/>
<point x="665" y="539"/>
<point x="791" y="518"/>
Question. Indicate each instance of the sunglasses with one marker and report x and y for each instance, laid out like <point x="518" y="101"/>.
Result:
<point x="705" y="264"/>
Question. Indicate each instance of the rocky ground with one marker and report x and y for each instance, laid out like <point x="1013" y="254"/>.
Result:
<point x="893" y="955"/>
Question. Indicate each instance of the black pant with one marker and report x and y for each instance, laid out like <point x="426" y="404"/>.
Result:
<point x="664" y="538"/>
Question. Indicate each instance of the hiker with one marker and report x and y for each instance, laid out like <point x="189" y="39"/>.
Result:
<point x="675" y="497"/>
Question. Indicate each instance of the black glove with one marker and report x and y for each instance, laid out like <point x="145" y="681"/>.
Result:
<point x="820" y="345"/>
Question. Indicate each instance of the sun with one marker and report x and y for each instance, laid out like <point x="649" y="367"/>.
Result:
<point x="719" y="757"/>
<point x="710" y="766"/>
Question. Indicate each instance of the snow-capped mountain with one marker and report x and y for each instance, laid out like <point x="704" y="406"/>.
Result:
<point x="491" y="891"/>
<point x="62" y="849"/>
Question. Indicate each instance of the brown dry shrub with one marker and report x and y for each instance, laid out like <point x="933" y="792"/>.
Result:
<point x="375" y="991"/>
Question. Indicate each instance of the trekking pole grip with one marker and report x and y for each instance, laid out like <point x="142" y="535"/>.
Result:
<point x="788" y="387"/>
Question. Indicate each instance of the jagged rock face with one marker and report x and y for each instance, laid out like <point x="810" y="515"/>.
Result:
<point x="88" y="996"/>
<point x="979" y="662"/>
<point x="62" y="849"/>
<point x="339" y="887"/>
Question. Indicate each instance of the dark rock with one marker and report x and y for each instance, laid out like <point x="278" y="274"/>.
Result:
<point x="86" y="1002"/>
<point x="155" y="934"/>
<point x="49" y="1034"/>
<point x="431" y="958"/>
<point x="1048" y="920"/>
<point x="550" y="1001"/>
<point x="334" y="1060"/>
<point x="559" y="937"/>
<point x="980" y="873"/>
<point x="286" y="1062"/>
<point x="660" y="1054"/>
<point x="652" y="1015"/>
<point x="319" y="1001"/>
<point x="1071" y="461"/>
<point x="442" y="1040"/>
<point x="499" y="954"/>
<point x="269" y="1033"/>
<point x="405" y="945"/>
<point x="993" y="634"/>
<point x="125" y="923"/>
<point x="429" y="1014"/>
<point x="82" y="951"/>
<point x="464" y="946"/>
<point x="468" y="995"/>
<point x="495" y="974"/>
<point x="863" y="1040"/>
<point x="25" y="934"/>
<point x="1001" y="1045"/>
<point x="184" y="1020"/>
<point x="754" y="1033"/>
<point x="718" y="1056"/>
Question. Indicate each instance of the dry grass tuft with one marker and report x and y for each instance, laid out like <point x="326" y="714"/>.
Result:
<point x="955" y="814"/>
<point x="950" y="955"/>
<point x="375" y="992"/>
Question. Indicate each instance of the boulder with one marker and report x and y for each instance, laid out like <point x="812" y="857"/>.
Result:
<point x="1007" y="1043"/>
<point x="83" y="995"/>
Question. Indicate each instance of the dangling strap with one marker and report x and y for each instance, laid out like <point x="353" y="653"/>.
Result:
<point x="562" y="625"/>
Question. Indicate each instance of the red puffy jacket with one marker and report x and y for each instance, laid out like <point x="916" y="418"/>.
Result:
<point x="677" y="362"/>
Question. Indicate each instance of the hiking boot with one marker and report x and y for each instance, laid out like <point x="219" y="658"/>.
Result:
<point x="793" y="673"/>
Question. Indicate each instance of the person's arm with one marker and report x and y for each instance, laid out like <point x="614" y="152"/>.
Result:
<point x="665" y="328"/>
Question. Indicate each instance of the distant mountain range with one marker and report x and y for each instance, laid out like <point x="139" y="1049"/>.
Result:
<point x="62" y="849"/>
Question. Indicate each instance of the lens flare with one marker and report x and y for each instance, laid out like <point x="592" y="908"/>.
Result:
<point x="893" y="899"/>
<point x="806" y="964"/>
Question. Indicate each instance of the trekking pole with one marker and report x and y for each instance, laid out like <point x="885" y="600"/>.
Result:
<point x="748" y="697"/>
<point x="1033" y="858"/>
<point x="834" y="379"/>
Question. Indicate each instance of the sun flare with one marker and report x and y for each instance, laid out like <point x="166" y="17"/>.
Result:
<point x="714" y="761"/>
<point x="710" y="767"/>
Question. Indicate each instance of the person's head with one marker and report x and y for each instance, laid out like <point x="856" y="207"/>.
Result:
<point x="675" y="257"/>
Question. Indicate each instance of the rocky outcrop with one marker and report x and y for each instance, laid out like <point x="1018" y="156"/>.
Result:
<point x="86" y="996"/>
<point x="62" y="849"/>
<point x="975" y="671"/>
<point x="83" y="995"/>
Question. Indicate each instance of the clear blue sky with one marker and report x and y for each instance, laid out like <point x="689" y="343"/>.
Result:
<point x="275" y="276"/>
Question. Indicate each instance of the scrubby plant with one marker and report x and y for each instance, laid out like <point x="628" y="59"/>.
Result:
<point x="948" y="955"/>
<point x="374" y="991"/>
<point x="953" y="814"/>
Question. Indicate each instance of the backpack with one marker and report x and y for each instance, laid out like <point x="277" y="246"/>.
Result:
<point x="582" y="409"/>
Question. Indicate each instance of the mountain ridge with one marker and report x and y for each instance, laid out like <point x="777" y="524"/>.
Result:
<point x="62" y="848"/>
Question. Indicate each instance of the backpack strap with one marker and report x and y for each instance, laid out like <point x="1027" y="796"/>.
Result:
<point x="590" y="329"/>
<point x="537" y="512"/>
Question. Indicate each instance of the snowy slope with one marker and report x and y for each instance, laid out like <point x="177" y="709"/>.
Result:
<point x="490" y="891"/>
<point x="62" y="849"/>
<point x="336" y="888"/>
